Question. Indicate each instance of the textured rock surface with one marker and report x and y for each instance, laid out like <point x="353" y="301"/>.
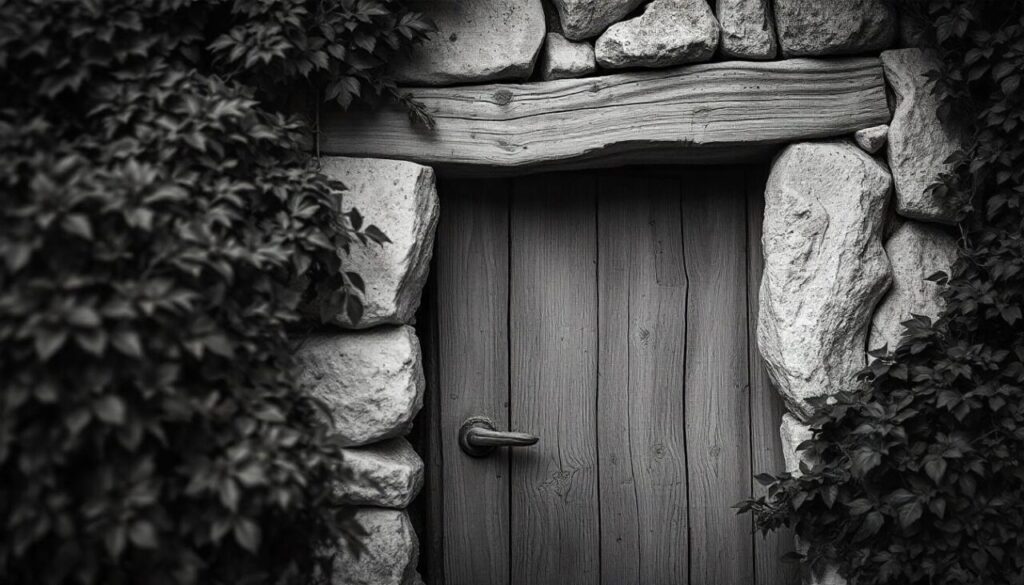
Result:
<point x="564" y="59"/>
<point x="824" y="267"/>
<point x="476" y="41"/>
<point x="388" y="474"/>
<point x="918" y="141"/>
<point x="669" y="32"/>
<point x="916" y="251"/>
<point x="400" y="198"/>
<point x="872" y="139"/>
<point x="748" y="29"/>
<point x="582" y="19"/>
<point x="834" y="27"/>
<point x="371" y="381"/>
<point x="390" y="556"/>
<point x="793" y="432"/>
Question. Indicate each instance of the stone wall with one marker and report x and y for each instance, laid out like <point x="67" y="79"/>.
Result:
<point x="369" y="375"/>
<point x="497" y="40"/>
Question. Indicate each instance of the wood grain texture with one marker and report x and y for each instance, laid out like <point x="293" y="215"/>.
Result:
<point x="766" y="407"/>
<point x="714" y="112"/>
<point x="717" y="403"/>
<point x="641" y="403"/>
<point x="472" y="273"/>
<point x="553" y="352"/>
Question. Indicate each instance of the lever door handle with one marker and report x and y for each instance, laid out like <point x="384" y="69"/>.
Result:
<point x="478" y="437"/>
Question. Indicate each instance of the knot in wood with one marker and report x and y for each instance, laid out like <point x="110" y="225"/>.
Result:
<point x="502" y="97"/>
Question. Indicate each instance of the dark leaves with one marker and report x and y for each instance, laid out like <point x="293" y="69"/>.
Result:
<point x="162" y="225"/>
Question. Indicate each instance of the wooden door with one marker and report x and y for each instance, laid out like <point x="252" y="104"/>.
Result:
<point x="609" y="313"/>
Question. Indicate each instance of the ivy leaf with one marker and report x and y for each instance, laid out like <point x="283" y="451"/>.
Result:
<point x="374" y="233"/>
<point x="127" y="342"/>
<point x="870" y="526"/>
<point x="935" y="468"/>
<point x="48" y="342"/>
<point x="909" y="513"/>
<point x="247" y="534"/>
<point x="353" y="309"/>
<point x="110" y="409"/>
<point x="142" y="534"/>
<point x="357" y="281"/>
<point x="78" y="225"/>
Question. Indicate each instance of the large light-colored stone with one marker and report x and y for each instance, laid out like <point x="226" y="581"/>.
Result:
<point x="793" y="433"/>
<point x="400" y="198"/>
<point x="748" y="29"/>
<point x="919" y="142"/>
<point x="390" y="554"/>
<point x="564" y="59"/>
<point x="669" y="32"/>
<point x="916" y="251"/>
<point x="370" y="381"/>
<point x="387" y="474"/>
<point x="834" y="27"/>
<point x="582" y="19"/>
<point x="476" y="41"/>
<point x="871" y="139"/>
<point x="824" y="267"/>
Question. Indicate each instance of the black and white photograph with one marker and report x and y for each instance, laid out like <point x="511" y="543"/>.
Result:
<point x="511" y="292"/>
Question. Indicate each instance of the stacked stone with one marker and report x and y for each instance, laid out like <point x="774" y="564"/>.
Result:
<point x="489" y="40"/>
<point x="369" y="374"/>
<point x="831" y="289"/>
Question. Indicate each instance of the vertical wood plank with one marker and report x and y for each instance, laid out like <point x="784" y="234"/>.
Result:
<point x="553" y="346"/>
<point x="717" y="403"/>
<point x="642" y="324"/>
<point x="472" y="273"/>
<point x="766" y="408"/>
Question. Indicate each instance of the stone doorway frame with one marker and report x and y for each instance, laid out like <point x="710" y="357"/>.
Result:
<point x="660" y="117"/>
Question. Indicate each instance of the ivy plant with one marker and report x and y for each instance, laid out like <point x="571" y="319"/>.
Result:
<point x="162" y="224"/>
<point x="917" y="475"/>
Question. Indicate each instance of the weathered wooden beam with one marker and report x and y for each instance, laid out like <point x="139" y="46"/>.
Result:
<point x="710" y="113"/>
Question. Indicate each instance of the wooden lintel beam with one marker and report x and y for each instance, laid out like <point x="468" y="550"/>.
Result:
<point x="710" y="113"/>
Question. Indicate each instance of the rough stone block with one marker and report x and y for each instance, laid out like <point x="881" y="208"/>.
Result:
<point x="871" y="139"/>
<point x="390" y="555"/>
<point x="400" y="198"/>
<point x="371" y="381"/>
<point x="564" y="59"/>
<point x="582" y="19"/>
<point x="748" y="29"/>
<point x="916" y="251"/>
<point x="476" y="41"/>
<point x="834" y="27"/>
<point x="824" y="267"/>
<point x="919" y="142"/>
<point x="387" y="474"/>
<point x="669" y="32"/>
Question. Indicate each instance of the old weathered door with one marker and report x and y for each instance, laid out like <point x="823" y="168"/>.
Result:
<point x="608" y="313"/>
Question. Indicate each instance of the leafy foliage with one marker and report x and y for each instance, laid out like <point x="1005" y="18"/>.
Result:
<point x="918" y="476"/>
<point x="161" y="226"/>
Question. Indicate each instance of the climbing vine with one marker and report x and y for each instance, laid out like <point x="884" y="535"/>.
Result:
<point x="162" y="222"/>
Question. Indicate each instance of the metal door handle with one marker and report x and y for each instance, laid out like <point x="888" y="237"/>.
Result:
<point x="478" y="437"/>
